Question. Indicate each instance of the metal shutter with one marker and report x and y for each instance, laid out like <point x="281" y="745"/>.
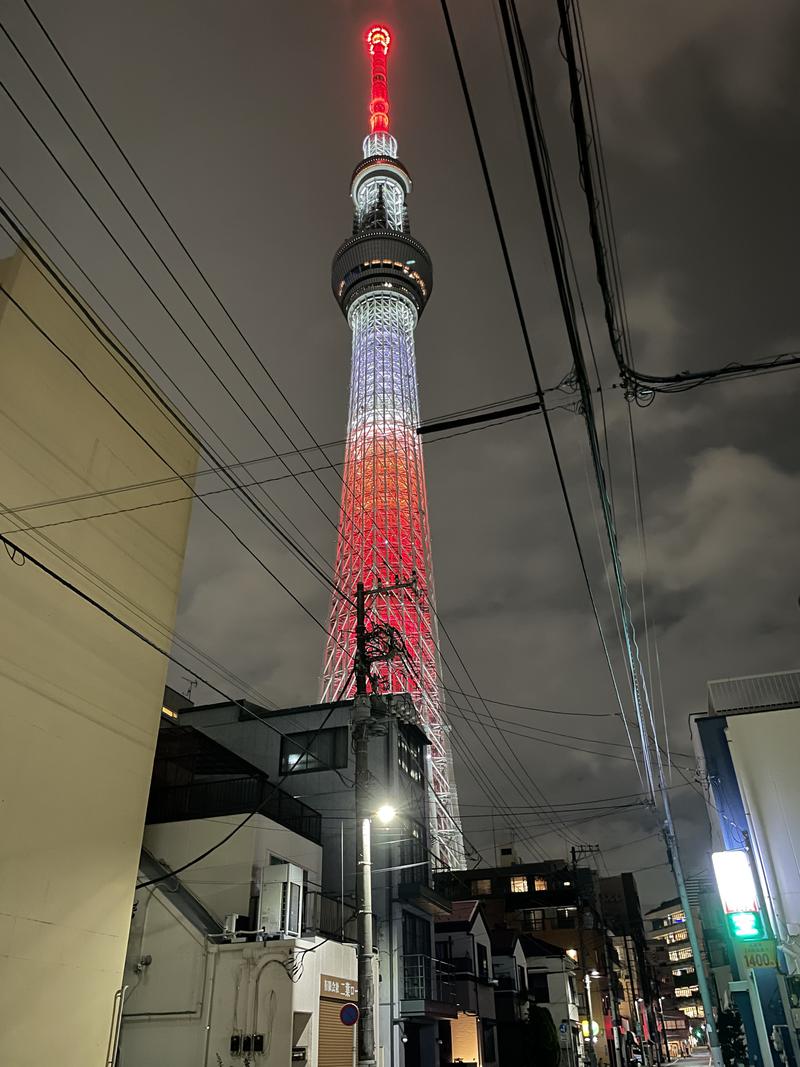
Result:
<point x="337" y="1042"/>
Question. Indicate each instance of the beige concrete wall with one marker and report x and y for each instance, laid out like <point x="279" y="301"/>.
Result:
<point x="79" y="697"/>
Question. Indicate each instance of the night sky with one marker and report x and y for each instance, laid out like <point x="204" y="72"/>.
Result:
<point x="246" y="120"/>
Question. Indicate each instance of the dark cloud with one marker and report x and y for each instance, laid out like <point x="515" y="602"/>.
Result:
<point x="247" y="124"/>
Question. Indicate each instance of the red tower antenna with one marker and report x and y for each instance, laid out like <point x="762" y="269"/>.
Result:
<point x="378" y="41"/>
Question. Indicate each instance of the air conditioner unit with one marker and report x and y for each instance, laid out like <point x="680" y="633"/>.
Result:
<point x="281" y="906"/>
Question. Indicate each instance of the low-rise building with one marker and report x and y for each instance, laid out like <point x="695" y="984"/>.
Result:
<point x="559" y="903"/>
<point x="415" y="989"/>
<point x="553" y="983"/>
<point x="463" y="944"/>
<point x="228" y="958"/>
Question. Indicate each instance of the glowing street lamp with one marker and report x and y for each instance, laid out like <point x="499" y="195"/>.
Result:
<point x="737" y="891"/>
<point x="386" y="813"/>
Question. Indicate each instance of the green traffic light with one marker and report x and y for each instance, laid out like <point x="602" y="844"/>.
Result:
<point x="746" y="925"/>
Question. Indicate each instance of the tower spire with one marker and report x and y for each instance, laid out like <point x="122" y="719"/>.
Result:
<point x="382" y="278"/>
<point x="378" y="41"/>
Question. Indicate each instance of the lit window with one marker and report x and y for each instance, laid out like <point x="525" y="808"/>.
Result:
<point x="316" y="750"/>
<point x="680" y="954"/>
<point x="410" y="753"/>
<point x="540" y="884"/>
<point x="519" y="884"/>
<point x="168" y="711"/>
<point x="694" y="1011"/>
<point x="481" y="887"/>
<point x="679" y="935"/>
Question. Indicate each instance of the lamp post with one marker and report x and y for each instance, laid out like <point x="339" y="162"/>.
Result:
<point x="366" y="980"/>
<point x="592" y="1038"/>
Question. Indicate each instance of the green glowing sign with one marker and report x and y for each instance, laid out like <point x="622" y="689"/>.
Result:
<point x="746" y="925"/>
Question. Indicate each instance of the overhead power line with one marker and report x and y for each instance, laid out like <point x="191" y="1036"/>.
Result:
<point x="587" y="135"/>
<point x="529" y="349"/>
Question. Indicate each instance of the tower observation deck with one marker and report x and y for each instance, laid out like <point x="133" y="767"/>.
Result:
<point x="382" y="279"/>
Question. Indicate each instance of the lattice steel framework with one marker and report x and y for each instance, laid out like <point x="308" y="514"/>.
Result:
<point x="382" y="279"/>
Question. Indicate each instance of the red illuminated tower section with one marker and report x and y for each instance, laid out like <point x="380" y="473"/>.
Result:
<point x="382" y="279"/>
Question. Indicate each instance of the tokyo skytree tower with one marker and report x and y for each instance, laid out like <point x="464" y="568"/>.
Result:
<point x="382" y="278"/>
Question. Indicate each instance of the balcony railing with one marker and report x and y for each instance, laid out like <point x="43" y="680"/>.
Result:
<point x="231" y="796"/>
<point x="329" y="917"/>
<point x="426" y="978"/>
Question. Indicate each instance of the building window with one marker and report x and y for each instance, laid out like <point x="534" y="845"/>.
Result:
<point x="416" y="935"/>
<point x="412" y="851"/>
<point x="676" y="917"/>
<point x="481" y="887"/>
<point x="533" y="918"/>
<point x="686" y="990"/>
<point x="565" y="918"/>
<point x="693" y="1011"/>
<point x="444" y="951"/>
<point x="313" y="750"/>
<point x="540" y="884"/>
<point x="679" y="935"/>
<point x="519" y="884"/>
<point x="522" y="982"/>
<point x="410" y="753"/>
<point x="538" y="987"/>
<point x="680" y="954"/>
<point x="489" y="1052"/>
<point x="483" y="960"/>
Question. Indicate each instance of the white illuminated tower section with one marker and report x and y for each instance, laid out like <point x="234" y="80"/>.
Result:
<point x="382" y="279"/>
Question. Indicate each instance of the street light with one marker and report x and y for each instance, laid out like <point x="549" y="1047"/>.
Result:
<point x="386" y="813"/>
<point x="366" y="988"/>
<point x="593" y="1028"/>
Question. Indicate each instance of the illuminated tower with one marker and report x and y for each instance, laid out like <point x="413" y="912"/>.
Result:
<point x="382" y="279"/>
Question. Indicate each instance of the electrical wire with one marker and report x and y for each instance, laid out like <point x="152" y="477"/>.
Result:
<point x="81" y="594"/>
<point x="544" y="182"/>
<point x="527" y="343"/>
<point x="149" y="445"/>
<point x="72" y="130"/>
<point x="587" y="136"/>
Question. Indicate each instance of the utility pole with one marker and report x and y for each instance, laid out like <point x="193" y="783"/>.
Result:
<point x="587" y="981"/>
<point x="671" y="841"/>
<point x="616" y="1039"/>
<point x="362" y="726"/>
<point x="362" y="722"/>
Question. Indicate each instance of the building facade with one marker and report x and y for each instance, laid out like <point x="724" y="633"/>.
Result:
<point x="81" y="696"/>
<point x="415" y="990"/>
<point x="463" y="943"/>
<point x="675" y="971"/>
<point x="553" y="901"/>
<point x="746" y="745"/>
<point x="233" y="957"/>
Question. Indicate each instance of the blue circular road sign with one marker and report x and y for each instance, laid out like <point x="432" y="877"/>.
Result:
<point x="349" y="1014"/>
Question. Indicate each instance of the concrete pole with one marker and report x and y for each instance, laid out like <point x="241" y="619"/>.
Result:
<point x="673" y="855"/>
<point x="361" y="731"/>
